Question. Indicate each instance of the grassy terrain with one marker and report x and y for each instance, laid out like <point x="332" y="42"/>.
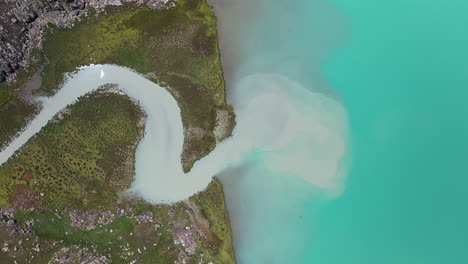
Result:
<point x="9" y="91"/>
<point x="13" y="117"/>
<point x="82" y="159"/>
<point x="14" y="110"/>
<point x="79" y="161"/>
<point x="128" y="237"/>
<point x="213" y="207"/>
<point x="177" y="48"/>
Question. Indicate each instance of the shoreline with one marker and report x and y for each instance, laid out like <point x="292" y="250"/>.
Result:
<point x="222" y="123"/>
<point x="179" y="233"/>
<point x="33" y="83"/>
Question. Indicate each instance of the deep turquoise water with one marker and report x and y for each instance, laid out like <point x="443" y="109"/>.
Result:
<point x="401" y="70"/>
<point x="403" y="75"/>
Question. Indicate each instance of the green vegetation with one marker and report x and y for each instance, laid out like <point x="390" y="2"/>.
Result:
<point x="13" y="117"/>
<point x="126" y="237"/>
<point x="14" y="110"/>
<point x="8" y="91"/>
<point x="177" y="48"/>
<point x="82" y="159"/>
<point x="78" y="163"/>
<point x="213" y="207"/>
<point x="130" y="237"/>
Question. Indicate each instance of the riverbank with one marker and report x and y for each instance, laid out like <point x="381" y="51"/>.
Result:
<point x="62" y="195"/>
<point x="145" y="40"/>
<point x="176" y="48"/>
<point x="278" y="46"/>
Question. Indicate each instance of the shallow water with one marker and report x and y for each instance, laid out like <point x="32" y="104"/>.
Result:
<point x="282" y="40"/>
<point x="277" y="121"/>
<point x="287" y="148"/>
<point x="400" y="68"/>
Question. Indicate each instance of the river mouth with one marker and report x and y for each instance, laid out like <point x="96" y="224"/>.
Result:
<point x="290" y="134"/>
<point x="276" y="117"/>
<point x="275" y="44"/>
<point x="287" y="147"/>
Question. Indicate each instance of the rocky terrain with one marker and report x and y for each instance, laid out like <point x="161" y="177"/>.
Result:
<point x="131" y="232"/>
<point x="60" y="196"/>
<point x="62" y="210"/>
<point x="22" y="25"/>
<point x="172" y="42"/>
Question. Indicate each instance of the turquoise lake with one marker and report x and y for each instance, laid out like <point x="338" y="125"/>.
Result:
<point x="400" y="68"/>
<point x="351" y="142"/>
<point x="403" y="75"/>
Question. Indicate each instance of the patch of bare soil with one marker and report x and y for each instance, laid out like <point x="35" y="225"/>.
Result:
<point x="24" y="197"/>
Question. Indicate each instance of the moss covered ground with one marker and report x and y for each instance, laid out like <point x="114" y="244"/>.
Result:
<point x="15" y="111"/>
<point x="213" y="207"/>
<point x="79" y="162"/>
<point x="177" y="48"/>
<point x="84" y="158"/>
<point x="129" y="237"/>
<point x="81" y="158"/>
<point x="14" y="116"/>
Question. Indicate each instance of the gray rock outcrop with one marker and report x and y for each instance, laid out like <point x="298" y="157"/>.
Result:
<point x="22" y="24"/>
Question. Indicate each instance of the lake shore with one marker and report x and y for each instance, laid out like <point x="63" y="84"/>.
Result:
<point x="222" y="122"/>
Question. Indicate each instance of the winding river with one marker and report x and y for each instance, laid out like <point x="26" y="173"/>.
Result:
<point x="276" y="117"/>
<point x="289" y="143"/>
<point x="163" y="126"/>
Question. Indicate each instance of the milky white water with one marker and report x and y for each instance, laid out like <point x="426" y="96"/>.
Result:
<point x="300" y="132"/>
